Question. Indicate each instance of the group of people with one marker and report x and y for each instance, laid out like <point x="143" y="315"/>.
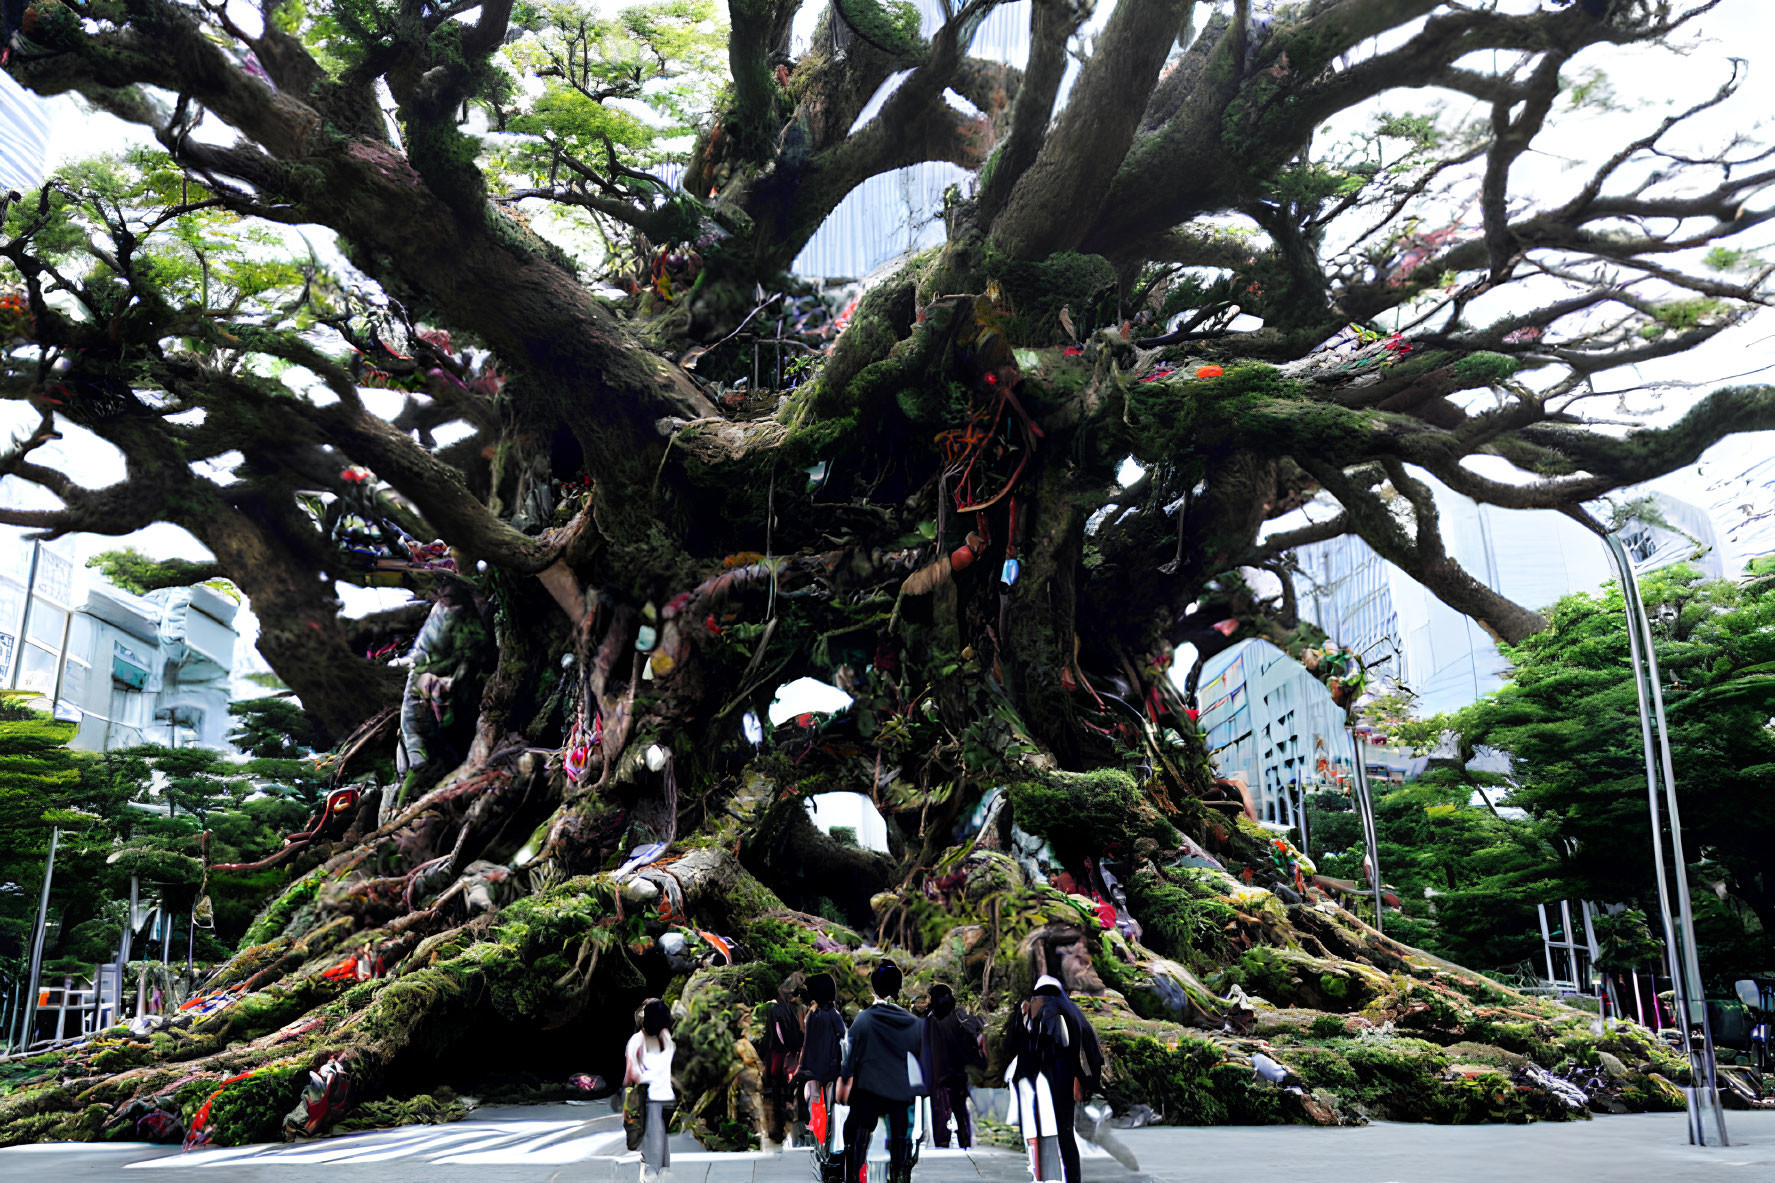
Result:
<point x="880" y="1066"/>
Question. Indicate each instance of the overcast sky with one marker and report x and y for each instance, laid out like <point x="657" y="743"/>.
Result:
<point x="1647" y="83"/>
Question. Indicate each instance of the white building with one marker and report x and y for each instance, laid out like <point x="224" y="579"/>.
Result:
<point x="129" y="669"/>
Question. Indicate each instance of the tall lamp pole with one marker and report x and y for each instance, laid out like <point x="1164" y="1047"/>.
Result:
<point x="1365" y="811"/>
<point x="1679" y="932"/>
<point x="28" y="1006"/>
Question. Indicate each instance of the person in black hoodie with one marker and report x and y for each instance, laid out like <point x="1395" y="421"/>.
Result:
<point x="951" y="1047"/>
<point x="781" y="1049"/>
<point x="1048" y="1036"/>
<point x="882" y="1075"/>
<point x="822" y="1056"/>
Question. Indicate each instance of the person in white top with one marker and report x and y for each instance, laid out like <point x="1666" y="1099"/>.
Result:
<point x="649" y="1064"/>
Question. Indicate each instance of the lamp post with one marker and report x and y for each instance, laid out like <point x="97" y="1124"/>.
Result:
<point x="1679" y="932"/>
<point x="1365" y="811"/>
<point x="28" y="1005"/>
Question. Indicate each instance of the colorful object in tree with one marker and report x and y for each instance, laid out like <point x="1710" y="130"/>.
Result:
<point x="345" y="971"/>
<point x="721" y="945"/>
<point x="1209" y="372"/>
<point x="326" y="1097"/>
<point x="1009" y="573"/>
<point x="201" y="1132"/>
<point x="16" y="322"/>
<point x="640" y="857"/>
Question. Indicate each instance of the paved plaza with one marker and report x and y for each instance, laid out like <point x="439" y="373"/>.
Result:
<point x="562" y="1144"/>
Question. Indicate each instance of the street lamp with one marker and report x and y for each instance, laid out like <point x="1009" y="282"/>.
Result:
<point x="1365" y="811"/>
<point x="28" y="1008"/>
<point x="1679" y="934"/>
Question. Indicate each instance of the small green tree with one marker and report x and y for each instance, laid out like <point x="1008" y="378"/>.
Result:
<point x="43" y="784"/>
<point x="279" y="738"/>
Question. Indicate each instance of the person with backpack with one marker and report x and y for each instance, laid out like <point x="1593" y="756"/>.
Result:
<point x="648" y="1067"/>
<point x="822" y="1059"/>
<point x="883" y="1076"/>
<point x="1055" y="1062"/>
<point x="951" y="1046"/>
<point x="781" y="1053"/>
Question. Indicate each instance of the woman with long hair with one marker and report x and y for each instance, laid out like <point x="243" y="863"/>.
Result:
<point x="649" y="1065"/>
<point x="822" y="1055"/>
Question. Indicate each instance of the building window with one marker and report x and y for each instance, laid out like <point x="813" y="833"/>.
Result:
<point x="10" y="603"/>
<point x="73" y="681"/>
<point x="37" y="670"/>
<point x="45" y="625"/>
<point x="55" y="577"/>
<point x="127" y="669"/>
<point x="80" y="636"/>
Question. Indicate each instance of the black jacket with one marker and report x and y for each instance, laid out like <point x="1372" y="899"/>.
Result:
<point x="782" y="1028"/>
<point x="951" y="1046"/>
<point x="887" y="1041"/>
<point x="1079" y="1058"/>
<point x="823" y="1046"/>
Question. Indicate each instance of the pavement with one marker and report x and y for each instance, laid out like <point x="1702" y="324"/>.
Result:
<point x="564" y="1144"/>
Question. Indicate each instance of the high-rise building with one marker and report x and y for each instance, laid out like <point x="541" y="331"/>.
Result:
<point x="1408" y="636"/>
<point x="1266" y="716"/>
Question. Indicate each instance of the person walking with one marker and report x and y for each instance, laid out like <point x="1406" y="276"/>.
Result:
<point x="822" y="1060"/>
<point x="649" y="1066"/>
<point x="781" y="1053"/>
<point x="1055" y="1062"/>
<point x="951" y="1046"/>
<point x="883" y="1075"/>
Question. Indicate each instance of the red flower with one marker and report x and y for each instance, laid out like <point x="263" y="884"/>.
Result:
<point x="804" y="719"/>
<point x="709" y="623"/>
<point x="1071" y="351"/>
<point x="989" y="378"/>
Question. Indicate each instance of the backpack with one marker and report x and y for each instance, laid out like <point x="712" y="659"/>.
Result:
<point x="782" y="1042"/>
<point x="1045" y="1033"/>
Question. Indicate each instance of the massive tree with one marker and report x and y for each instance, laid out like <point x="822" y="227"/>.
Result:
<point x="662" y="496"/>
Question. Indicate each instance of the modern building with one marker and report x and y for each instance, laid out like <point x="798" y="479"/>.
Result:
<point x="1265" y="715"/>
<point x="1269" y="718"/>
<point x="128" y="669"/>
<point x="1445" y="658"/>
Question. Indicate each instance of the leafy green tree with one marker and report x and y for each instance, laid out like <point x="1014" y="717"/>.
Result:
<point x="1468" y="881"/>
<point x="1569" y="719"/>
<point x="41" y="787"/>
<point x="279" y="739"/>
